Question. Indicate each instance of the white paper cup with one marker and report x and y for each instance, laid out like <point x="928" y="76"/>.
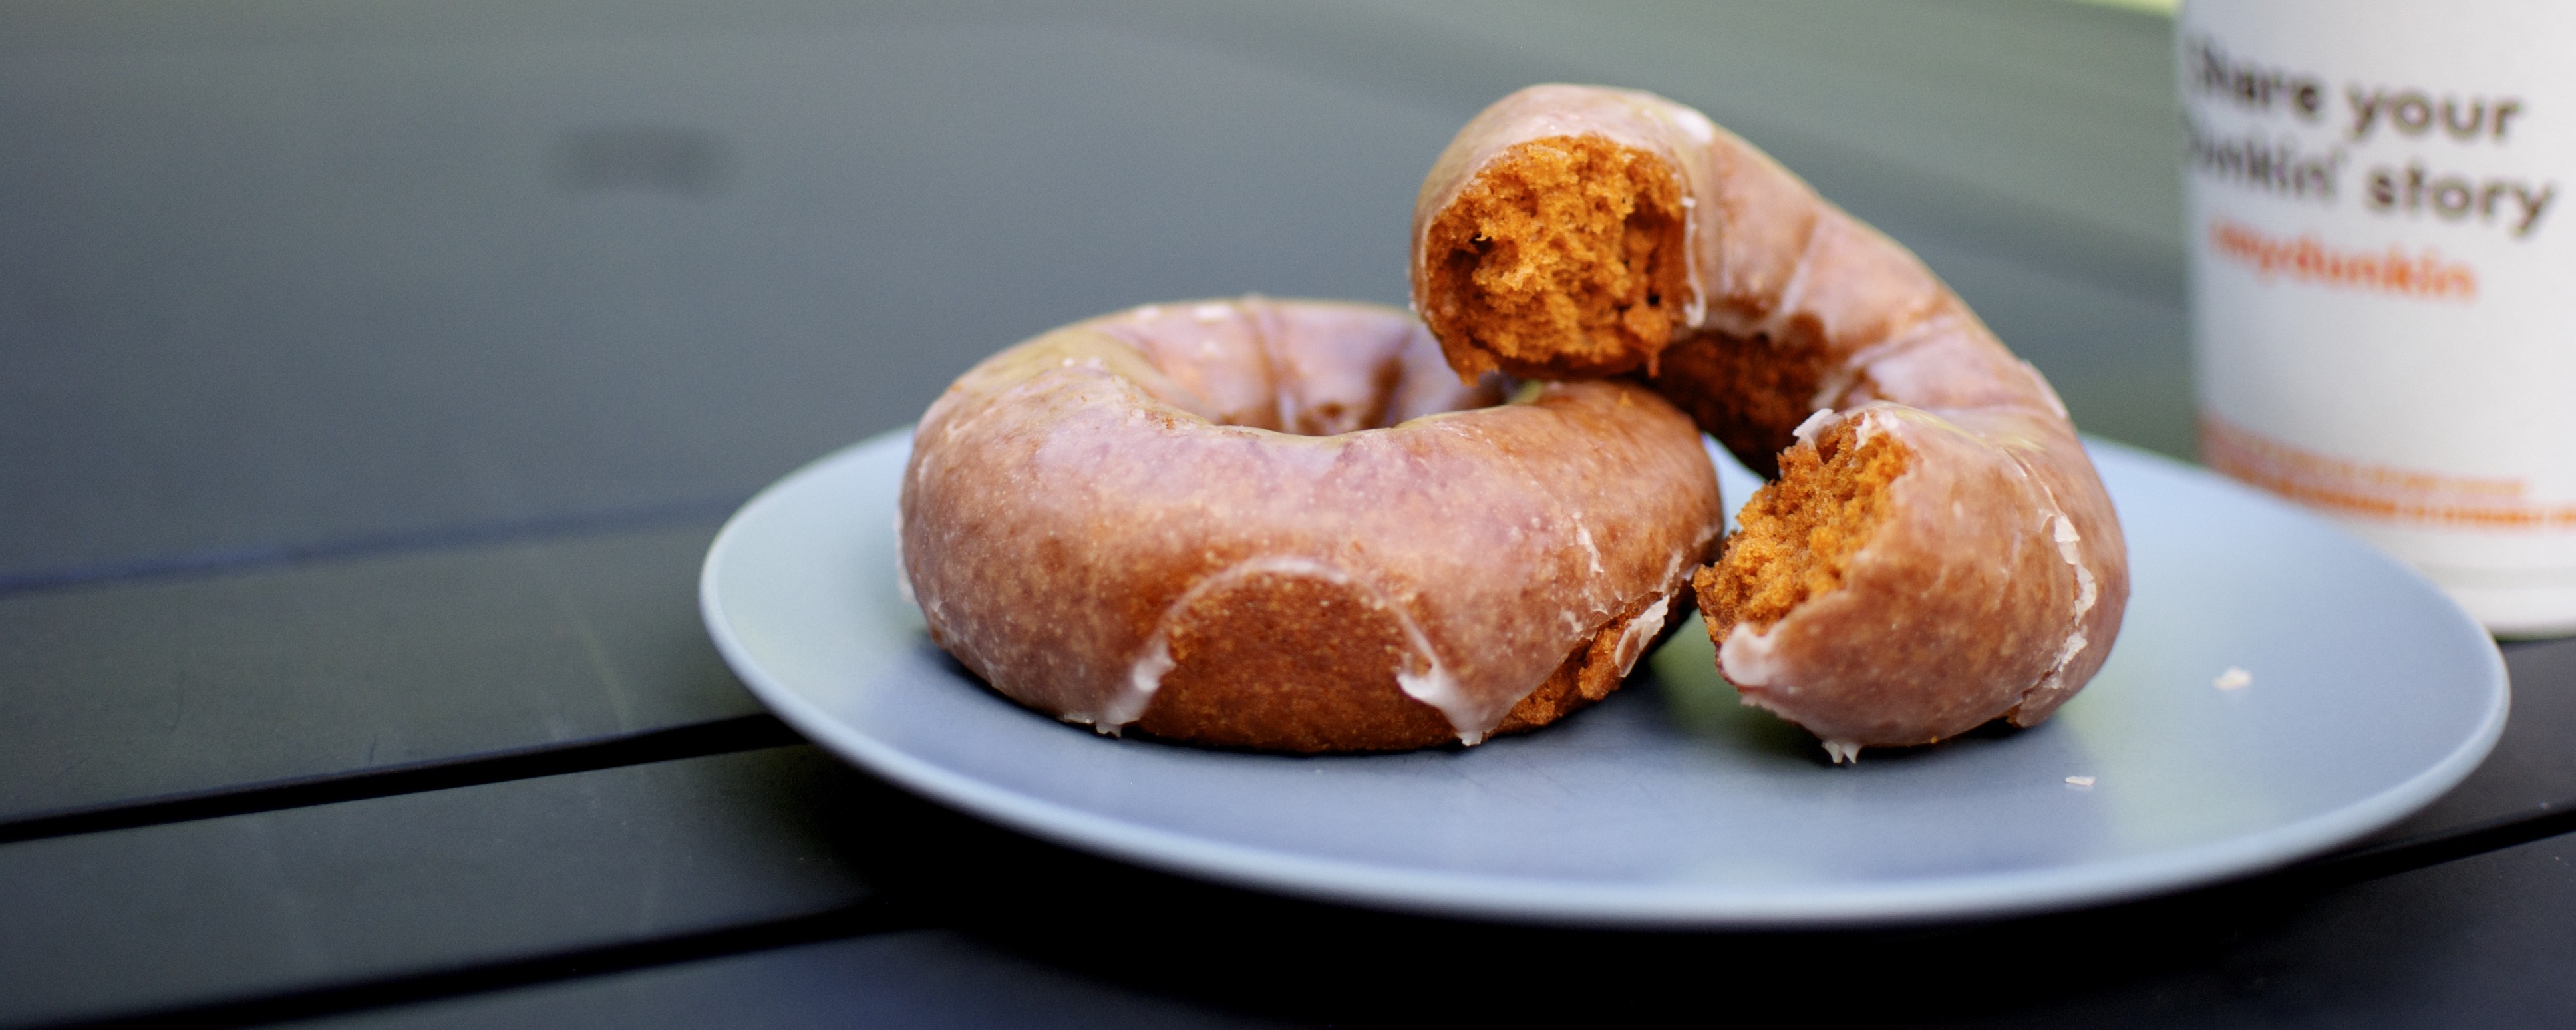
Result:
<point x="2383" y="277"/>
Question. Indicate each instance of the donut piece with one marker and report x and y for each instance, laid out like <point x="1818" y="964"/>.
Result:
<point x="1935" y="551"/>
<point x="1288" y="526"/>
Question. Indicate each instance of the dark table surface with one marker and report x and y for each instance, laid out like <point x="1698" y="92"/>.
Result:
<point x="372" y="377"/>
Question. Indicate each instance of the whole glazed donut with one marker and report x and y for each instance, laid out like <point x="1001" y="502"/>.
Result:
<point x="1287" y="525"/>
<point x="1936" y="550"/>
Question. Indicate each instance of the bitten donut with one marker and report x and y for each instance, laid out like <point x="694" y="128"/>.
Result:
<point x="1287" y="526"/>
<point x="1936" y="550"/>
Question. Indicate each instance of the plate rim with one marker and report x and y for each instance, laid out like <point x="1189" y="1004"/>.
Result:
<point x="1539" y="900"/>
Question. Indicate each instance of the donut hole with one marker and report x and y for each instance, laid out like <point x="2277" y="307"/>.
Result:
<point x="1305" y="369"/>
<point x="1563" y="257"/>
<point x="1796" y="535"/>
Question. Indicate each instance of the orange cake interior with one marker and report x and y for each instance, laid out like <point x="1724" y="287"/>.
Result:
<point x="1796" y="535"/>
<point x="1563" y="257"/>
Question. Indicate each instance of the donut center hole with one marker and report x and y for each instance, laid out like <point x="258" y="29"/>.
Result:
<point x="1564" y="256"/>
<point x="1303" y="368"/>
<point x="1796" y="534"/>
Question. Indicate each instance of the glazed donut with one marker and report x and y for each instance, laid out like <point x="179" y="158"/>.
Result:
<point x="1935" y="551"/>
<point x="1288" y="526"/>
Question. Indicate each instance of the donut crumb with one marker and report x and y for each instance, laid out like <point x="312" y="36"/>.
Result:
<point x="1797" y="533"/>
<point x="1564" y="256"/>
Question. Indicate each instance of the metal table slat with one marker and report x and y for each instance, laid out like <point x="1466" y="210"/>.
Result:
<point x="2477" y="942"/>
<point x="128" y="691"/>
<point x="2480" y="941"/>
<point x="199" y="912"/>
<point x="921" y="978"/>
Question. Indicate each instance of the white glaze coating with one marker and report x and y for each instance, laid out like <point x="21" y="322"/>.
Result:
<point x="1640" y="634"/>
<point x="1127" y="468"/>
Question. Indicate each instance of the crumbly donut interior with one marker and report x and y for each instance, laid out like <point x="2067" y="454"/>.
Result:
<point x="1563" y="256"/>
<point x="1796" y="535"/>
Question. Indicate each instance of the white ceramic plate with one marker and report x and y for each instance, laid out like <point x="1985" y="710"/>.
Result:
<point x="1669" y="804"/>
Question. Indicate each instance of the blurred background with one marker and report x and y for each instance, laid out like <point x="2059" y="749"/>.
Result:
<point x="285" y="276"/>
